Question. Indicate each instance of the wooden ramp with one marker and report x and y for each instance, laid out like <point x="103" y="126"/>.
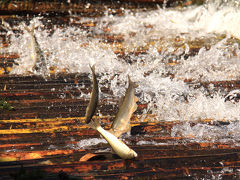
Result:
<point x="44" y="137"/>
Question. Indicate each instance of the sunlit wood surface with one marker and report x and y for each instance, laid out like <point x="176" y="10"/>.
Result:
<point x="42" y="133"/>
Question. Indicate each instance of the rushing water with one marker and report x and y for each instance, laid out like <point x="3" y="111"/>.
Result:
<point x="157" y="31"/>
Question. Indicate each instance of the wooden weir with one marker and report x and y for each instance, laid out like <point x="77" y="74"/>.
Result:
<point x="40" y="138"/>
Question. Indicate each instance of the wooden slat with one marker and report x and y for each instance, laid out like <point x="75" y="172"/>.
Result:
<point x="94" y="9"/>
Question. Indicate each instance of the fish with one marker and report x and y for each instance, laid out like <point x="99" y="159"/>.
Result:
<point x="121" y="123"/>
<point x="40" y="64"/>
<point x="91" y="108"/>
<point x="118" y="146"/>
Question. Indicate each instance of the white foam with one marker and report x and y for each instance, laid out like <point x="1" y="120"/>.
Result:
<point x="226" y="134"/>
<point x="90" y="142"/>
<point x="194" y="20"/>
<point x="73" y="49"/>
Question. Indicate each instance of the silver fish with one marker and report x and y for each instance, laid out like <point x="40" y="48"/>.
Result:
<point x="121" y="123"/>
<point x="40" y="64"/>
<point x="120" y="148"/>
<point x="91" y="108"/>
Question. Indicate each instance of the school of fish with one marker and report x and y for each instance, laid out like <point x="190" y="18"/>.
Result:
<point x="121" y="123"/>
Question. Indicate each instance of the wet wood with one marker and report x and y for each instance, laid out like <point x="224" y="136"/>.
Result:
<point x="43" y="134"/>
<point x="166" y="160"/>
<point x="88" y="8"/>
<point x="52" y="145"/>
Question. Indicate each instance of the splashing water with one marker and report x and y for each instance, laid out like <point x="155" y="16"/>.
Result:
<point x="90" y="142"/>
<point x="165" y="36"/>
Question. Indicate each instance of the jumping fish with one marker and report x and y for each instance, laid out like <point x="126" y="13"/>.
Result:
<point x="121" y="123"/>
<point x="91" y="108"/>
<point x="120" y="148"/>
<point x="40" y="64"/>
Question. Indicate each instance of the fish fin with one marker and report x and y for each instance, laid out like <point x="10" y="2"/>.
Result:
<point x="127" y="129"/>
<point x="94" y="123"/>
<point x="115" y="133"/>
<point x="135" y="98"/>
<point x="134" y="107"/>
<point x="115" y="130"/>
<point x="119" y="132"/>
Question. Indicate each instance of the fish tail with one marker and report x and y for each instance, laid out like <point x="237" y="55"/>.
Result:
<point x="30" y="30"/>
<point x="135" y="85"/>
<point x="94" y="124"/>
<point x="92" y="68"/>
